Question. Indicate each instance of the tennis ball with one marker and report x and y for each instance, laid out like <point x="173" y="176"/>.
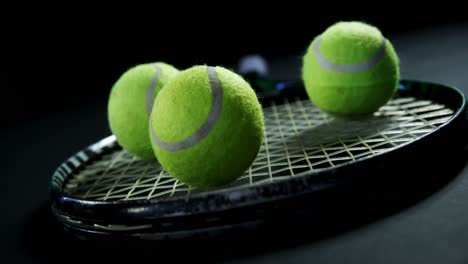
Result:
<point x="350" y="70"/>
<point x="130" y="104"/>
<point x="206" y="126"/>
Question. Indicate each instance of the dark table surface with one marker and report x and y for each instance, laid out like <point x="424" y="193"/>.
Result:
<point x="433" y="229"/>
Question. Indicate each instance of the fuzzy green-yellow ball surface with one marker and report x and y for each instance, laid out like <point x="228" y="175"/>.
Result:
<point x="130" y="104"/>
<point x="350" y="70"/>
<point x="206" y="126"/>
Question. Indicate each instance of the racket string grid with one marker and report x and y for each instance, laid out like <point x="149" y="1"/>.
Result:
<point x="299" y="138"/>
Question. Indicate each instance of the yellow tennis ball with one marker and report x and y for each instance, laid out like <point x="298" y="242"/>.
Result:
<point x="206" y="126"/>
<point x="130" y="104"/>
<point x="350" y="70"/>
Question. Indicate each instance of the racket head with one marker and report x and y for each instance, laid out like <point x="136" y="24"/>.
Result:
<point x="102" y="190"/>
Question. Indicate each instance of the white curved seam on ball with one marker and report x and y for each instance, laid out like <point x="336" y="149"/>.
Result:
<point x="210" y="122"/>
<point x="352" y="67"/>
<point x="151" y="89"/>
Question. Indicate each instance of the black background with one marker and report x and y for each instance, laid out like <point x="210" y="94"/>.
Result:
<point x="68" y="59"/>
<point x="60" y="67"/>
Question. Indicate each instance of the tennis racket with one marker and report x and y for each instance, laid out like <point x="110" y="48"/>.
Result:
<point x="104" y="192"/>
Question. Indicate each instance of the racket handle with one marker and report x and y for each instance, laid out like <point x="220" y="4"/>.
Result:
<point x="254" y="69"/>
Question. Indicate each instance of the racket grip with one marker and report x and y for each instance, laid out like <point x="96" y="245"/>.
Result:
<point x="267" y="88"/>
<point x="254" y="69"/>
